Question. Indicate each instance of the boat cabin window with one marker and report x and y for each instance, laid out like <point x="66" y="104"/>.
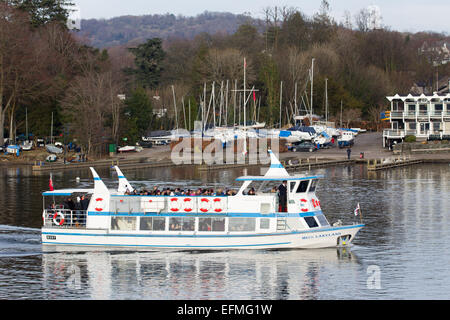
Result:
<point x="312" y="223"/>
<point x="211" y="224"/>
<point x="182" y="224"/>
<point x="303" y="186"/>
<point x="292" y="186"/>
<point x="153" y="224"/>
<point x="322" y="220"/>
<point x="264" y="224"/>
<point x="242" y="224"/>
<point x="123" y="223"/>
<point x="313" y="186"/>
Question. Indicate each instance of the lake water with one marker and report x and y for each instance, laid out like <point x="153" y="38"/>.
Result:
<point x="403" y="252"/>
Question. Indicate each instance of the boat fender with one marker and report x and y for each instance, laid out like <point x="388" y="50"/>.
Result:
<point x="175" y="207"/>
<point x="205" y="205"/>
<point x="61" y="220"/>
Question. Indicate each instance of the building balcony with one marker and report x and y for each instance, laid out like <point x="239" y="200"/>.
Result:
<point x="398" y="134"/>
<point x="410" y="114"/>
<point x="397" y="114"/>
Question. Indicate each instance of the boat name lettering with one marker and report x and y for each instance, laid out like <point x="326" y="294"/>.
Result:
<point x="321" y="235"/>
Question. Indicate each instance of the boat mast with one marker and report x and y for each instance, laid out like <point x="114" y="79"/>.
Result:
<point x="175" y="105"/>
<point x="312" y="89"/>
<point x="26" y="121"/>
<point x="245" y="94"/>
<point x="281" y="102"/>
<point x="326" y="100"/>
<point x="51" y="131"/>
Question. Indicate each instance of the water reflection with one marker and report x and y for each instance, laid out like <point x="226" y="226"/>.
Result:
<point x="181" y="275"/>
<point x="406" y="236"/>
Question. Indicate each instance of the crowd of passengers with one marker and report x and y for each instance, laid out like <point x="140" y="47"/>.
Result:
<point x="191" y="193"/>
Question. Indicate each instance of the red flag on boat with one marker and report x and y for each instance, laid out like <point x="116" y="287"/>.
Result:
<point x="358" y="210"/>
<point x="254" y="96"/>
<point x="50" y="183"/>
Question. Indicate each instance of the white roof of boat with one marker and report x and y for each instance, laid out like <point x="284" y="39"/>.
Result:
<point x="67" y="192"/>
<point x="277" y="178"/>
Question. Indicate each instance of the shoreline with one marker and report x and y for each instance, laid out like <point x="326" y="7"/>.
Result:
<point x="368" y="143"/>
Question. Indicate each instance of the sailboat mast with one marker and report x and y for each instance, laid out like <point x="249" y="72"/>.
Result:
<point x="26" y="121"/>
<point x="281" y="102"/>
<point x="175" y="106"/>
<point x="312" y="89"/>
<point x="51" y="131"/>
<point x="245" y="94"/>
<point x="326" y="100"/>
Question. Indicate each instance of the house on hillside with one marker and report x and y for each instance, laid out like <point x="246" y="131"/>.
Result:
<point x="438" y="52"/>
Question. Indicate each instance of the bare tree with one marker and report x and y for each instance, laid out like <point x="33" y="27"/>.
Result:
<point x="89" y="102"/>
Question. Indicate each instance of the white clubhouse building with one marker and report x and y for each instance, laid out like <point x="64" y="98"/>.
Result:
<point x="422" y="116"/>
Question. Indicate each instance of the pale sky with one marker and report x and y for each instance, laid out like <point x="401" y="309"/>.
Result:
<point x="401" y="15"/>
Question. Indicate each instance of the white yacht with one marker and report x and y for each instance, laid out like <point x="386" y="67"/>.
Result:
<point x="246" y="220"/>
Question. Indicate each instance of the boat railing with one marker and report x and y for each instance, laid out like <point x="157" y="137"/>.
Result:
<point x="64" y="218"/>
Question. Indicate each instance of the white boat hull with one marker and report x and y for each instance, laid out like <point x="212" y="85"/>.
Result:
<point x="319" y="238"/>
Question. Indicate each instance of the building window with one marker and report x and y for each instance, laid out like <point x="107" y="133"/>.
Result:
<point x="436" y="126"/>
<point x="412" y="126"/>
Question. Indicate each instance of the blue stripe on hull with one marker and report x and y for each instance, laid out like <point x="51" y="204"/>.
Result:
<point x="202" y="236"/>
<point x="201" y="215"/>
<point x="167" y="247"/>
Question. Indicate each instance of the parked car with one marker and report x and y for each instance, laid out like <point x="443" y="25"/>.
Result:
<point x="146" y="144"/>
<point x="304" y="146"/>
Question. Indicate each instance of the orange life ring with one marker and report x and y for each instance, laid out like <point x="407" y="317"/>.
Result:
<point x="61" y="221"/>
<point x="303" y="203"/>
<point x="207" y="208"/>
<point x="186" y="206"/>
<point x="218" y="207"/>
<point x="175" y="205"/>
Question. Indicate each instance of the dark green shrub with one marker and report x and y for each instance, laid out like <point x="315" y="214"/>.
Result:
<point x="410" y="139"/>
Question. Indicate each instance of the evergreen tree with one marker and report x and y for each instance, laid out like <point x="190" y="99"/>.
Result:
<point x="148" y="60"/>
<point x="138" y="114"/>
<point x="43" y="11"/>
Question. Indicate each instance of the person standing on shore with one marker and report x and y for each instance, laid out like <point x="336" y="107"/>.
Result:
<point x="349" y="153"/>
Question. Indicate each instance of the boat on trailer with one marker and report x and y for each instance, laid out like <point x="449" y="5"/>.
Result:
<point x="116" y="219"/>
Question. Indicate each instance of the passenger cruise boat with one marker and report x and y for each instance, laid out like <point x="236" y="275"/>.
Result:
<point x="242" y="221"/>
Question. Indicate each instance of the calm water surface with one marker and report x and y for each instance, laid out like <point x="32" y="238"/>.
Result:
<point x="403" y="253"/>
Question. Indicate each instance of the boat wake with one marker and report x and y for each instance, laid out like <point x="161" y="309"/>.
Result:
<point x="19" y="241"/>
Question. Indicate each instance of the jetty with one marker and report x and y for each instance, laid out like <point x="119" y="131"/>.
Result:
<point x="289" y="164"/>
<point x="384" y="164"/>
<point x="135" y="163"/>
